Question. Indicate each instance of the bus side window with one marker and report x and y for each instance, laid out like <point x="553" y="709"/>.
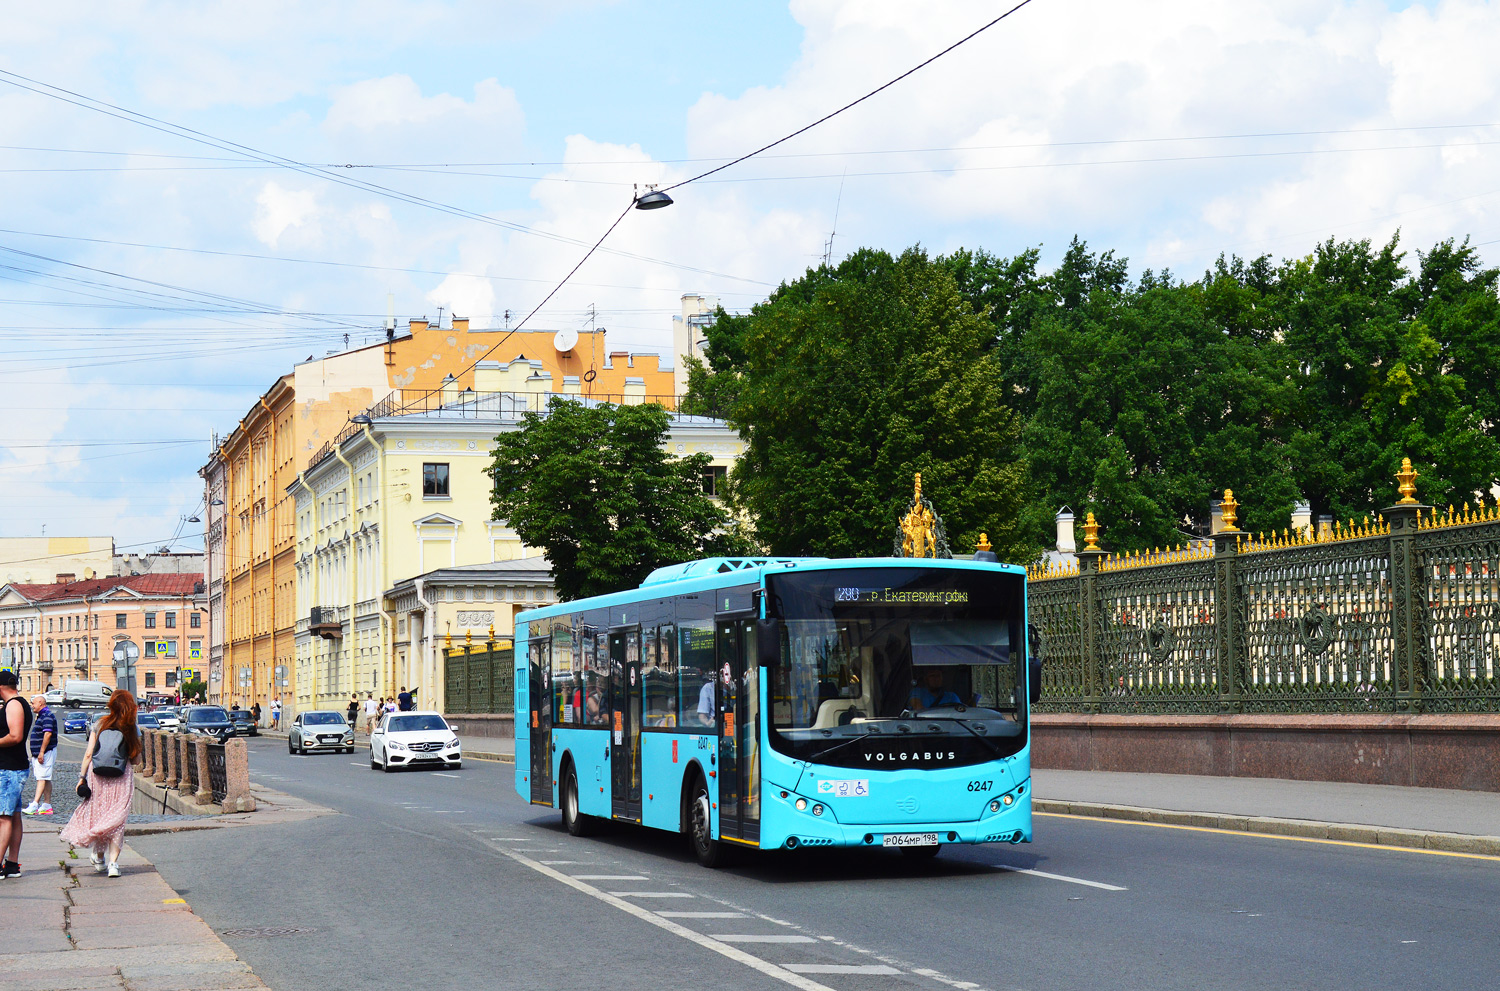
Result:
<point x="660" y="675"/>
<point x="695" y="672"/>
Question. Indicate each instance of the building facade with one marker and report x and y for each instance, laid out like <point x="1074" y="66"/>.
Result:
<point x="306" y="411"/>
<point x="43" y="560"/>
<point x="406" y="496"/>
<point x="82" y="630"/>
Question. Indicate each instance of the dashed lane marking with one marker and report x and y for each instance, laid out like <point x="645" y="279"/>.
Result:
<point x="751" y="938"/>
<point x="554" y="862"/>
<point x="651" y="894"/>
<point x="646" y="915"/>
<point x="1062" y="877"/>
<point x="700" y="915"/>
<point x="611" y="877"/>
<point x="840" y="968"/>
<point x="440" y="774"/>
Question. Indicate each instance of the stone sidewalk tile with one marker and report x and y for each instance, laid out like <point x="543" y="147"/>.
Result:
<point x="196" y="982"/>
<point x="62" y="978"/>
<point x="138" y="956"/>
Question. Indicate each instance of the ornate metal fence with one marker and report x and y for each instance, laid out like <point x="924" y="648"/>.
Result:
<point x="218" y="780"/>
<point x="1396" y="614"/>
<point x="479" y="678"/>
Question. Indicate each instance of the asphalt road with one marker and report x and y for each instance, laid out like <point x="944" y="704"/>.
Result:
<point x="440" y="881"/>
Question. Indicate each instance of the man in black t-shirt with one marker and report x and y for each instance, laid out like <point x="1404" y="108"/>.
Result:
<point x="15" y="765"/>
<point x="404" y="701"/>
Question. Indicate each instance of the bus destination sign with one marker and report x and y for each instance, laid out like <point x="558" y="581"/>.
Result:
<point x="902" y="596"/>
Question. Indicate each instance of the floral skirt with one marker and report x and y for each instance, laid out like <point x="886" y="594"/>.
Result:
<point x="100" y="821"/>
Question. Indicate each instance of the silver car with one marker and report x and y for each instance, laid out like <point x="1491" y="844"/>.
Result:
<point x="319" y="730"/>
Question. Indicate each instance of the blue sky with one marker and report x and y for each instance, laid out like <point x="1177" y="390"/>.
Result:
<point x="1168" y="131"/>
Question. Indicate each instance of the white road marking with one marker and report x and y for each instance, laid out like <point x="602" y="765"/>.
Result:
<point x="701" y="915"/>
<point x="508" y="839"/>
<point x="646" y="915"/>
<point x="610" y="877"/>
<point x="551" y="862"/>
<point x="651" y="894"/>
<point x="840" y="968"/>
<point x="1063" y="877"/>
<point x="440" y="774"/>
<point x="737" y="938"/>
<point x="940" y="977"/>
<point x="355" y="763"/>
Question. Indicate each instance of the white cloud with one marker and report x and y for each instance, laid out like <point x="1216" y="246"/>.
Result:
<point x="279" y="209"/>
<point x="388" y="119"/>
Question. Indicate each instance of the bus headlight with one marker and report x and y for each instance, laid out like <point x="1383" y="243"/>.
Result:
<point x="817" y="810"/>
<point x="801" y="804"/>
<point x="995" y="805"/>
<point x="1008" y="799"/>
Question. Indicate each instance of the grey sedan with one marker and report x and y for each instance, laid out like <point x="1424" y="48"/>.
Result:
<point x="319" y="730"/>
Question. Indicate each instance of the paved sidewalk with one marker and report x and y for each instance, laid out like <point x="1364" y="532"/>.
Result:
<point x="70" y="929"/>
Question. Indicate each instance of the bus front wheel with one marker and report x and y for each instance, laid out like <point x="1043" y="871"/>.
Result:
<point x="576" y="822"/>
<point x="709" y="851"/>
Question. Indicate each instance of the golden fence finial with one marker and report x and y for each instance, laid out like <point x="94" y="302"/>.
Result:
<point x="984" y="543"/>
<point x="1090" y="533"/>
<point x="1229" y="510"/>
<point x="1407" y="477"/>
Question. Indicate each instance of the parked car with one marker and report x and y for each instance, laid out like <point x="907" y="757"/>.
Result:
<point x="147" y="720"/>
<point x="210" y="720"/>
<point x="75" y="722"/>
<point x="244" y="722"/>
<point x="411" y="739"/>
<point x="319" y="730"/>
<point x="169" y="716"/>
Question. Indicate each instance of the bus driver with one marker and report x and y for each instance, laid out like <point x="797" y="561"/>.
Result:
<point x="930" y="693"/>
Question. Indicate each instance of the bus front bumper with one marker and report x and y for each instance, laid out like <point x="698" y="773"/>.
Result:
<point x="783" y="826"/>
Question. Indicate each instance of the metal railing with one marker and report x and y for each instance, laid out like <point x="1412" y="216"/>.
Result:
<point x="479" y="678"/>
<point x="218" y="777"/>
<point x="1398" y="614"/>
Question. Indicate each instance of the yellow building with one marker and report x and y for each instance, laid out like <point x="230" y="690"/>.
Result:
<point x="43" y="560"/>
<point x="250" y="533"/>
<point x="404" y="496"/>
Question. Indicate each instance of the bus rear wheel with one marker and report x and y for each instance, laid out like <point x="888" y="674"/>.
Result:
<point x="709" y="851"/>
<point x="576" y="822"/>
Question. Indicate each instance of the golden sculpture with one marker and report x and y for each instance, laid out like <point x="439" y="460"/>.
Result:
<point x="918" y="538"/>
<point x="1090" y="533"/>
<point x="1229" y="511"/>
<point x="1407" y="476"/>
<point x="984" y="543"/>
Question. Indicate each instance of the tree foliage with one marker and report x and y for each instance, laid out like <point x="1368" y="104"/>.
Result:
<point x="1139" y="399"/>
<point x="848" y="381"/>
<point x="594" y="487"/>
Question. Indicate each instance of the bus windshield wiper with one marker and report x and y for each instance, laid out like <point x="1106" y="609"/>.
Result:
<point x="841" y="745"/>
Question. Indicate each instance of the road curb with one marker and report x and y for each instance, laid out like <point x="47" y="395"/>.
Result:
<point x="498" y="758"/>
<point x="1411" y="839"/>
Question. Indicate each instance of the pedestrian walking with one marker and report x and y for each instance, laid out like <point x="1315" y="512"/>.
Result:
<point x="255" y="712"/>
<point x="353" y="710"/>
<point x="15" y="720"/>
<point x="106" y="785"/>
<point x="371" y="708"/>
<point x="276" y="712"/>
<point x="404" y="700"/>
<point x="42" y="750"/>
<point x="390" y="705"/>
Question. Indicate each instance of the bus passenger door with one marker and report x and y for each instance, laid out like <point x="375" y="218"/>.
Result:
<point x="738" y="692"/>
<point x="540" y="685"/>
<point x="625" y="724"/>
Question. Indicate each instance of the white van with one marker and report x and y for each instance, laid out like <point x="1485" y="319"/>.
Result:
<point x="85" y="693"/>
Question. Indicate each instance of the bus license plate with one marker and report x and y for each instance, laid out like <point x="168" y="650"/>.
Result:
<point x="910" y="839"/>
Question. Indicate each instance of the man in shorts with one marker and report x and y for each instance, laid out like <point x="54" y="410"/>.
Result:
<point x="371" y="709"/>
<point x="15" y="727"/>
<point x="42" y="750"/>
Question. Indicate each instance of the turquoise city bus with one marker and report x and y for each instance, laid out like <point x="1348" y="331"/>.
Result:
<point x="786" y="703"/>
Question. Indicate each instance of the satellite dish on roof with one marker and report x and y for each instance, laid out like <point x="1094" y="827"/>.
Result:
<point x="565" y="340"/>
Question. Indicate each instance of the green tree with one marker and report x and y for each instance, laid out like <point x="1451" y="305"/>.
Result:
<point x="594" y="487"/>
<point x="848" y="381"/>
<point x="194" y="690"/>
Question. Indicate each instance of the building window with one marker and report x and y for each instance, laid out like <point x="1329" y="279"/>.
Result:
<point x="151" y="621"/>
<point x="119" y="621"/>
<point x="713" y="479"/>
<point x="172" y="620"/>
<point x="434" y="480"/>
<point x="96" y="622"/>
<point x="195" y="620"/>
<point x="171" y="679"/>
<point x="150" y="679"/>
<point x="150" y="648"/>
<point x="171" y="648"/>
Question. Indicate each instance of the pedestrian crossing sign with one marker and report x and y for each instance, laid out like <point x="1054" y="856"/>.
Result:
<point x="195" y="653"/>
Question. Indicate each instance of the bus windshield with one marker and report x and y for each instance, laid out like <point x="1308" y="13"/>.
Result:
<point x="891" y="652"/>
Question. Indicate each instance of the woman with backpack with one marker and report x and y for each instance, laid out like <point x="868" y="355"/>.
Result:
<point x="105" y="784"/>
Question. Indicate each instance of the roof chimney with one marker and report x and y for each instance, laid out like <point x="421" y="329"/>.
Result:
<point x="1065" y="540"/>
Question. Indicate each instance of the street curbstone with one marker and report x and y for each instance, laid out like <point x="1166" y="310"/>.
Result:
<point x="1408" y="839"/>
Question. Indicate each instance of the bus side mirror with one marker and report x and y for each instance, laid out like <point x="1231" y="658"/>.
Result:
<point x="1033" y="664"/>
<point x="768" y="642"/>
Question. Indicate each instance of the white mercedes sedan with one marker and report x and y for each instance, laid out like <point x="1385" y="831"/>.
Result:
<point x="414" y="739"/>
